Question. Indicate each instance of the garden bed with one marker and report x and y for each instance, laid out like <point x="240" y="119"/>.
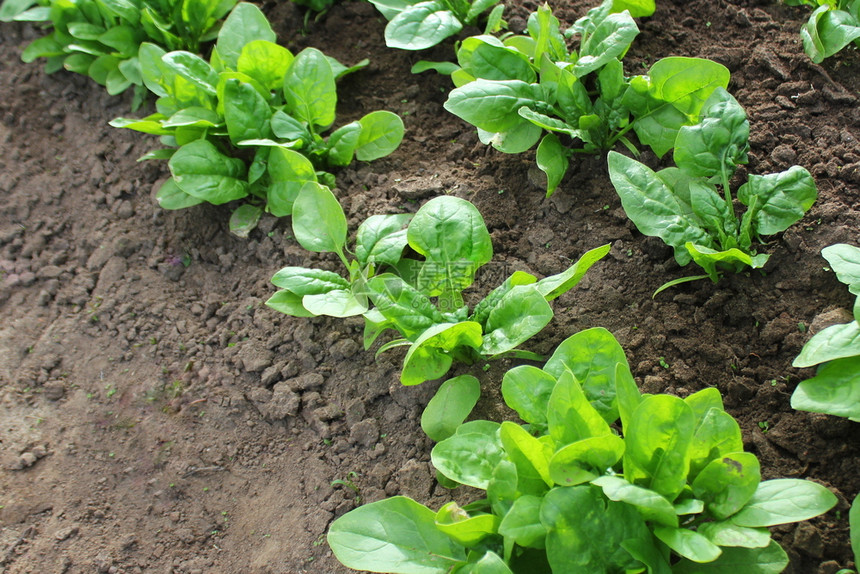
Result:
<point x="157" y="417"/>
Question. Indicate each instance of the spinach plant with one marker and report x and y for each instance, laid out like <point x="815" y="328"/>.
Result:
<point x="250" y="123"/>
<point x="528" y="89"/>
<point x="832" y="25"/>
<point x="684" y="207"/>
<point x="672" y="492"/>
<point x="835" y="389"/>
<point x="101" y="38"/>
<point x="422" y="298"/>
<point x="420" y="24"/>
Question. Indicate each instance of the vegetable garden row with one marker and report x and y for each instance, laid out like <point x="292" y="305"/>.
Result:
<point x="600" y="477"/>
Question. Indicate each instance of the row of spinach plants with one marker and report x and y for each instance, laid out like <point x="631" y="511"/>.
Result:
<point x="251" y="122"/>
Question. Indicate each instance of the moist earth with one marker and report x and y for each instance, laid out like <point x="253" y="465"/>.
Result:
<point x="155" y="416"/>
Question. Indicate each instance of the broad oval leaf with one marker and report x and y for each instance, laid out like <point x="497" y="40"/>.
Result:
<point x="784" y="500"/>
<point x="769" y="560"/>
<point x="243" y="25"/>
<point x="493" y="105"/>
<point x="591" y="356"/>
<point x="651" y="505"/>
<point x="585" y="460"/>
<point x="658" y="440"/>
<point x="171" y="196"/>
<point x="310" y="90"/>
<point x="381" y="134"/>
<point x="380" y="239"/>
<point x="450" y="406"/>
<point x="689" y="544"/>
<point x="527" y="390"/>
<point x="265" y="61"/>
<point x="834" y="390"/>
<point x="450" y="233"/>
<point x="393" y="535"/>
<point x="421" y="26"/>
<point x="202" y="171"/>
<point x="520" y="314"/>
<point x="727" y="483"/>
<point x="289" y="171"/>
<point x="319" y="223"/>
<point x="470" y="456"/>
<point x="462" y="528"/>
<point x="430" y="356"/>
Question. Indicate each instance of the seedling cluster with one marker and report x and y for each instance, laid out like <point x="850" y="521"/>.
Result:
<point x="664" y="480"/>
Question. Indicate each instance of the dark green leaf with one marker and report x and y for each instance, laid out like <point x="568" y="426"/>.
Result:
<point x="205" y="173"/>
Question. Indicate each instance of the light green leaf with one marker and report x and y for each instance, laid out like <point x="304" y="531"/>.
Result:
<point x="381" y="134"/>
<point x="288" y="171"/>
<point x="265" y="61"/>
<point x="288" y="303"/>
<point x="380" y="239"/>
<point x="689" y="544"/>
<point x="727" y="534"/>
<point x="527" y="389"/>
<point x="493" y="105"/>
<point x="585" y="460"/>
<point x="522" y="522"/>
<point x="727" y="483"/>
<point x="470" y="455"/>
<point x="844" y="259"/>
<point x="591" y="356"/>
<point x="310" y="90"/>
<point x="245" y="112"/>
<point x="462" y="528"/>
<point x="430" y="356"/>
<point x="520" y="314"/>
<point x="530" y="456"/>
<point x="782" y="501"/>
<point x="834" y="390"/>
<point x="393" y="535"/>
<point x="556" y="285"/>
<point x="319" y="223"/>
<point x="658" y="440"/>
<point x="834" y="342"/>
<point x="245" y="24"/>
<point x="652" y="506"/>
<point x="450" y="406"/>
<point x="778" y="200"/>
<point x="450" y="233"/>
<point x="171" y="196"/>
<point x="571" y="418"/>
<point x="421" y="26"/>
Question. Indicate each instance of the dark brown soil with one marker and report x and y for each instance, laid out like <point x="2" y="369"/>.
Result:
<point x="156" y="417"/>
